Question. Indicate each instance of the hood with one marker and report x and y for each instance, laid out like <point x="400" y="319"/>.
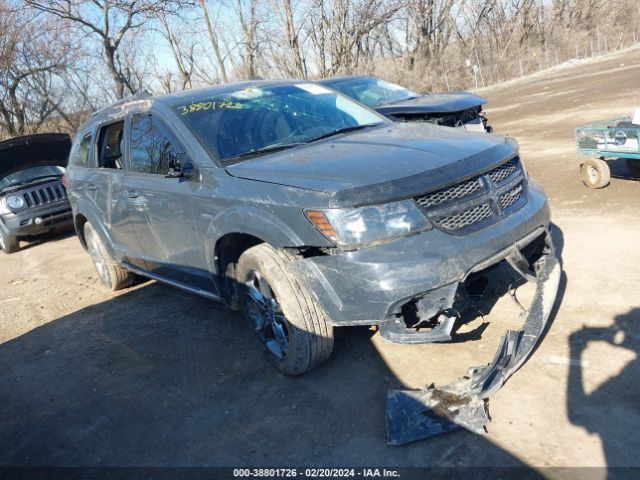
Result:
<point x="43" y="148"/>
<point x="380" y="163"/>
<point x="434" y="103"/>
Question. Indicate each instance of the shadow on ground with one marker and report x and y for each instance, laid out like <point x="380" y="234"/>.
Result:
<point x="619" y="395"/>
<point x="157" y="377"/>
<point x="54" y="236"/>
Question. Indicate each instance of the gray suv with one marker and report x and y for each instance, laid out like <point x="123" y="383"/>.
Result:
<point x="304" y="209"/>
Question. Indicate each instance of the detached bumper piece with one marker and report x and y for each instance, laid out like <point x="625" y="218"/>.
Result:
<point x="417" y="415"/>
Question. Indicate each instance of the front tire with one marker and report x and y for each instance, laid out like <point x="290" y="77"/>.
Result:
<point x="283" y="311"/>
<point x="8" y="243"/>
<point x="112" y="275"/>
<point x="595" y="173"/>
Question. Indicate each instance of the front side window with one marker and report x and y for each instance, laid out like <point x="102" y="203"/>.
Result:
<point x="153" y="148"/>
<point x="373" y="92"/>
<point x="233" y="124"/>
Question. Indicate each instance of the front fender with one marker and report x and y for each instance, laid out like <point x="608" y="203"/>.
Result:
<point x="249" y="221"/>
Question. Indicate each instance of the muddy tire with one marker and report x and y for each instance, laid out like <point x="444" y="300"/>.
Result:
<point x="633" y="167"/>
<point x="112" y="275"/>
<point x="595" y="173"/>
<point x="282" y="310"/>
<point x="8" y="243"/>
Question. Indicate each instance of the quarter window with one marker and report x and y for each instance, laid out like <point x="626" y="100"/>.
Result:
<point x="154" y="149"/>
<point x="111" y="146"/>
<point x="80" y="154"/>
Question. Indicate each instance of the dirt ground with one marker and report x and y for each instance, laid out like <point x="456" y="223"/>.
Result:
<point x="152" y="376"/>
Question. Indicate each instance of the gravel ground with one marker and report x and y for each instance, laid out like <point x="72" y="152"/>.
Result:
<point x="152" y="376"/>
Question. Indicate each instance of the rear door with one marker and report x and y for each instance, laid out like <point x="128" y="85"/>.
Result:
<point x="161" y="209"/>
<point x="103" y="185"/>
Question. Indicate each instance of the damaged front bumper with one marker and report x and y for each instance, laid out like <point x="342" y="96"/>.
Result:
<point x="371" y="286"/>
<point x="416" y="415"/>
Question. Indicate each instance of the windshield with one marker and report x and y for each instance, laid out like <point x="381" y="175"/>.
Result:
<point x="372" y="91"/>
<point x="28" y="174"/>
<point x="258" y="120"/>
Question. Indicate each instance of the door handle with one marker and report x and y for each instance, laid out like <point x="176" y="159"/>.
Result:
<point x="92" y="186"/>
<point x="133" y="193"/>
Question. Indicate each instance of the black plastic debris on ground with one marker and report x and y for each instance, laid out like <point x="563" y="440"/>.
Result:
<point x="419" y="414"/>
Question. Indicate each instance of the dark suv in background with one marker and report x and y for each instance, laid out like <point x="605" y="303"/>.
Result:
<point x="33" y="199"/>
<point x="306" y="209"/>
<point x="449" y="109"/>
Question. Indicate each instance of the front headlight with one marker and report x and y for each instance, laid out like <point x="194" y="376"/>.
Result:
<point x="376" y="223"/>
<point x="14" y="202"/>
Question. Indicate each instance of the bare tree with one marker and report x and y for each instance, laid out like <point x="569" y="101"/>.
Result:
<point x="341" y="30"/>
<point x="215" y="41"/>
<point x="109" y="21"/>
<point x="30" y="59"/>
<point x="183" y="53"/>
<point x="291" y="60"/>
<point x="245" y="10"/>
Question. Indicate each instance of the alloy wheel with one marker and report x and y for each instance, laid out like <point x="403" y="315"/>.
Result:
<point x="266" y="315"/>
<point x="97" y="258"/>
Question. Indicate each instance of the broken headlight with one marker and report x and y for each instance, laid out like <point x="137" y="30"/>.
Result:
<point x="372" y="224"/>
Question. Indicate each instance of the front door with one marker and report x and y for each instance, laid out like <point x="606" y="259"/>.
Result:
<point x="161" y="210"/>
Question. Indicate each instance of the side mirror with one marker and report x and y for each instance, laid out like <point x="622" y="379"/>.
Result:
<point x="180" y="171"/>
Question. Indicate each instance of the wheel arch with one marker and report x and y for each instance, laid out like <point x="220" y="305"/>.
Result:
<point x="247" y="226"/>
<point x="79" y="221"/>
<point x="81" y="217"/>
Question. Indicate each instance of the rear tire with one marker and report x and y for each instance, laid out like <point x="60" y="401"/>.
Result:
<point x="8" y="243"/>
<point x="112" y="275"/>
<point x="291" y="306"/>
<point x="633" y="167"/>
<point x="595" y="173"/>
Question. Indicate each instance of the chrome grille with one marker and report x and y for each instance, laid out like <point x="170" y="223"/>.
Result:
<point x="477" y="202"/>
<point x="45" y="195"/>
<point x="511" y="197"/>
<point x="504" y="171"/>
<point x="464" y="218"/>
<point x="449" y="194"/>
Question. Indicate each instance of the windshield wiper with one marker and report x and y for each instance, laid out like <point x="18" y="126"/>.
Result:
<point x="269" y="148"/>
<point x="343" y="130"/>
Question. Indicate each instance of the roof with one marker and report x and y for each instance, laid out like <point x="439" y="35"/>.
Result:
<point x="343" y="78"/>
<point x="179" y="98"/>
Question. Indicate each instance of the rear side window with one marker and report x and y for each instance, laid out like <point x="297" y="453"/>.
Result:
<point x="110" y="146"/>
<point x="154" y="149"/>
<point x="79" y="155"/>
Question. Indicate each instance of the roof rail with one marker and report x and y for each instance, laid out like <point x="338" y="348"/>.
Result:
<point x="143" y="95"/>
